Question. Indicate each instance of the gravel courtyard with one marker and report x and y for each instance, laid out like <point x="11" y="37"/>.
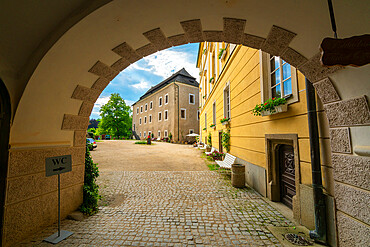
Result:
<point x="164" y="195"/>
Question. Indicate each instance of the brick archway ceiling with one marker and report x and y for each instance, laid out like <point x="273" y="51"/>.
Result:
<point x="276" y="43"/>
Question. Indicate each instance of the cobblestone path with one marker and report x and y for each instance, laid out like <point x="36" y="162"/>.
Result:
<point x="167" y="208"/>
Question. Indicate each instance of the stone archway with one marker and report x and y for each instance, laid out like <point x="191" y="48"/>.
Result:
<point x="26" y="160"/>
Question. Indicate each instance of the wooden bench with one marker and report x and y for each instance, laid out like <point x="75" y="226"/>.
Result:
<point x="227" y="162"/>
<point x="212" y="150"/>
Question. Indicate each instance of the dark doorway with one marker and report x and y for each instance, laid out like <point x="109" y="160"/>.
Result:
<point x="4" y="146"/>
<point x="220" y="148"/>
<point x="287" y="174"/>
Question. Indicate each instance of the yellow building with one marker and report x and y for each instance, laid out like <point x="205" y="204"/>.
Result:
<point x="275" y="149"/>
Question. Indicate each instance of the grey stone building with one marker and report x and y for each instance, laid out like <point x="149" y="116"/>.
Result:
<point x="169" y="108"/>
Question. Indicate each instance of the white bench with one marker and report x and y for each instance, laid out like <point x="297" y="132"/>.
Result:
<point x="212" y="150"/>
<point x="227" y="162"/>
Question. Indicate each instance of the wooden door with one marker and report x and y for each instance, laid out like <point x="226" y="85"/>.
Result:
<point x="220" y="148"/>
<point x="287" y="174"/>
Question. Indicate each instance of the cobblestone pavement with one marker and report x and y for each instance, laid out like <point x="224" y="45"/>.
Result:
<point x="173" y="208"/>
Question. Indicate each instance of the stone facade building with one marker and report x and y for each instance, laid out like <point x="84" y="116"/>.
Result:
<point x="169" y="109"/>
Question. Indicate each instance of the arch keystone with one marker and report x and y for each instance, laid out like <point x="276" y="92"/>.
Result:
<point x="103" y="70"/>
<point x="233" y="30"/>
<point x="179" y="39"/>
<point x="277" y="40"/>
<point x="252" y="41"/>
<point x="127" y="52"/>
<point x="157" y="38"/>
<point x="193" y="30"/>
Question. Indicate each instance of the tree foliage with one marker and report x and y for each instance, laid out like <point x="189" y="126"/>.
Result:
<point x="116" y="120"/>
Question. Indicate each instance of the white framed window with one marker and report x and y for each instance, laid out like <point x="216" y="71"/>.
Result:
<point x="137" y="110"/>
<point x="214" y="112"/>
<point x="165" y="133"/>
<point x="150" y="118"/>
<point x="165" y="115"/>
<point x="198" y="115"/>
<point x="159" y="116"/>
<point x="144" y="134"/>
<point x="183" y="113"/>
<point x="227" y="100"/>
<point x="145" y="120"/>
<point x="159" y="133"/>
<point x="166" y="99"/>
<point x="279" y="79"/>
<point x="146" y="107"/>
<point x="191" y="131"/>
<point x="160" y="101"/>
<point x="141" y="109"/>
<point x="140" y="121"/>
<point x="191" y="99"/>
<point x="151" y="105"/>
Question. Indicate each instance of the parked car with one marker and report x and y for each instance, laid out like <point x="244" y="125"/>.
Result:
<point x="92" y="143"/>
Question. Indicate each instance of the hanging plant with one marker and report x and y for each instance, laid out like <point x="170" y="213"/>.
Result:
<point x="221" y="52"/>
<point x="225" y="120"/>
<point x="269" y="106"/>
<point x="211" y="80"/>
<point x="212" y="125"/>
<point x="204" y="128"/>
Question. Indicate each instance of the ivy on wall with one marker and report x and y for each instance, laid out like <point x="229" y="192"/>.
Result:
<point x="90" y="189"/>
<point x="226" y="139"/>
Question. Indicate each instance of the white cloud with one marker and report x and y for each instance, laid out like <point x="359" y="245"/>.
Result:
<point x="167" y="62"/>
<point x="141" y="85"/>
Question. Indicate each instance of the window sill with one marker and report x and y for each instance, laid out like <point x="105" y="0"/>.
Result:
<point x="278" y="109"/>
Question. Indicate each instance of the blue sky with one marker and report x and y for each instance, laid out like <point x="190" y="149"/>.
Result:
<point x="136" y="79"/>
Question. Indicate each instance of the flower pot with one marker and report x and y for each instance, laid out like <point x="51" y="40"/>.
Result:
<point x="208" y="149"/>
<point x="278" y="109"/>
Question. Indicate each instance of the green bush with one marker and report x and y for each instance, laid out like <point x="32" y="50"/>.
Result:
<point x="226" y="140"/>
<point x="209" y="139"/>
<point x="90" y="188"/>
<point x="141" y="142"/>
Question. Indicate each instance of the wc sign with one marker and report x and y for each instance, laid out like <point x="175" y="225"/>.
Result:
<point x="57" y="165"/>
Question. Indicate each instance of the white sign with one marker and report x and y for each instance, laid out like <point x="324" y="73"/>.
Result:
<point x="57" y="165"/>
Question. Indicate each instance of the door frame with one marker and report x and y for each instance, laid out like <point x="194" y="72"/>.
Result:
<point x="272" y="142"/>
<point x="5" y="115"/>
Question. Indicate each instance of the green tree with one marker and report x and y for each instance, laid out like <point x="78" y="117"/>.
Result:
<point x="116" y="120"/>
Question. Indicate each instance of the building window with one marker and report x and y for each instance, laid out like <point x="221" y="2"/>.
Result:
<point x="145" y="120"/>
<point x="198" y="115"/>
<point x="141" y="109"/>
<point x="227" y="101"/>
<point x="144" y="134"/>
<point x="150" y="118"/>
<point x="279" y="79"/>
<point x="166" y="99"/>
<point x="140" y="134"/>
<point x="166" y="115"/>
<point x="191" y="99"/>
<point x="159" y="116"/>
<point x="151" y="105"/>
<point x="165" y="133"/>
<point x="146" y="107"/>
<point x="205" y="120"/>
<point x="159" y="133"/>
<point x="137" y="110"/>
<point x="160" y="101"/>
<point x="140" y="121"/>
<point x="214" y="112"/>
<point x="183" y="113"/>
<point x="191" y="131"/>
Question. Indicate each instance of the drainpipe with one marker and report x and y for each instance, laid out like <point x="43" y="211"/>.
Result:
<point x="319" y="234"/>
<point x="178" y="111"/>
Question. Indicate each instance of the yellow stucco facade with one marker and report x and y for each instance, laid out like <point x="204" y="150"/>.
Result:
<point x="243" y="71"/>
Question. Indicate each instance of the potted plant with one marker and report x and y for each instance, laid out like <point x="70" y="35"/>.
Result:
<point x="204" y="96"/>
<point x="221" y="53"/>
<point x="204" y="128"/>
<point x="212" y="80"/>
<point x="213" y="126"/>
<point x="225" y="120"/>
<point x="271" y="106"/>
